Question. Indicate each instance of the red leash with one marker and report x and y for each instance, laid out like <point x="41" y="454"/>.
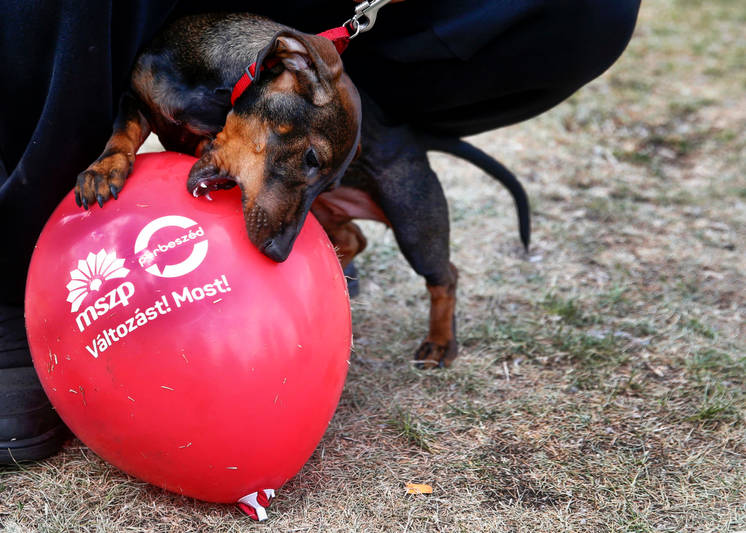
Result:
<point x="363" y="20"/>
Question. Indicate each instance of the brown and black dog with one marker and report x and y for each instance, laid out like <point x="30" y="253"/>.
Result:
<point x="289" y="143"/>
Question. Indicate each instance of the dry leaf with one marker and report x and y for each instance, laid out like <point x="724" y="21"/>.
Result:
<point x="418" y="488"/>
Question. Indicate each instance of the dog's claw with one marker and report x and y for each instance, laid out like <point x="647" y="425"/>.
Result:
<point x="77" y="200"/>
<point x="103" y="179"/>
<point x="431" y="355"/>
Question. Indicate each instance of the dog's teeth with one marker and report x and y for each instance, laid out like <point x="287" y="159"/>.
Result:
<point x="207" y="195"/>
<point x="203" y="185"/>
<point x="195" y="193"/>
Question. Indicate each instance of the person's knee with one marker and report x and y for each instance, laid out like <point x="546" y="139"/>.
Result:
<point x="603" y="29"/>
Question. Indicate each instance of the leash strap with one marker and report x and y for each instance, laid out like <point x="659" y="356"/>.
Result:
<point x="363" y="20"/>
<point x="340" y="37"/>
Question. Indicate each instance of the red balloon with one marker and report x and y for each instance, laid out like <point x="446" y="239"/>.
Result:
<point x="178" y="352"/>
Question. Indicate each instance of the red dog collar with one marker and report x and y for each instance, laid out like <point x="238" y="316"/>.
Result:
<point x="340" y="37"/>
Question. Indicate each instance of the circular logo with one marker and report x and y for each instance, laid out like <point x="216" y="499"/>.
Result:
<point x="148" y="253"/>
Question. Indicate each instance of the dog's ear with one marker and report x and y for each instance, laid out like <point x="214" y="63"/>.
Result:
<point x="311" y="59"/>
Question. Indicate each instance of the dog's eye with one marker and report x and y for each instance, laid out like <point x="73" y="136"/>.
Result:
<point x="311" y="159"/>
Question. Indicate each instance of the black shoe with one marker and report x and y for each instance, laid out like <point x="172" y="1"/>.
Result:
<point x="29" y="426"/>
<point x="353" y="284"/>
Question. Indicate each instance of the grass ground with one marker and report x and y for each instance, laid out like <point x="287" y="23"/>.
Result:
<point x="602" y="379"/>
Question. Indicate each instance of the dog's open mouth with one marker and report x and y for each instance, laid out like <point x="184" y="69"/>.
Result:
<point x="205" y="185"/>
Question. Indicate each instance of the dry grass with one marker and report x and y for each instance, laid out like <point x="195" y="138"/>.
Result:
<point x="601" y="383"/>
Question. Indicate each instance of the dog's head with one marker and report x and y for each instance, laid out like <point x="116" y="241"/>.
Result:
<point x="288" y="138"/>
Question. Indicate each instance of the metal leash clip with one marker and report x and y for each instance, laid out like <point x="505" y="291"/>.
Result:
<point x="364" y="17"/>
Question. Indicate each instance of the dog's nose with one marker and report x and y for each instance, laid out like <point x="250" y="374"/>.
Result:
<point x="279" y="245"/>
<point x="274" y="249"/>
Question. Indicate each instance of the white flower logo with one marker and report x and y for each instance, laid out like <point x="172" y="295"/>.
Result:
<point x="90" y="275"/>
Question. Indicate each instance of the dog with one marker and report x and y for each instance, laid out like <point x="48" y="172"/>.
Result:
<point x="294" y="142"/>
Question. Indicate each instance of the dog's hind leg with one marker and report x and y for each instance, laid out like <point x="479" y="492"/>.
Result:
<point x="408" y="192"/>
<point x="418" y="214"/>
<point x="104" y="178"/>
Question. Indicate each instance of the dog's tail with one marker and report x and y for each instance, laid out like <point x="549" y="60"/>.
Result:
<point x="477" y="157"/>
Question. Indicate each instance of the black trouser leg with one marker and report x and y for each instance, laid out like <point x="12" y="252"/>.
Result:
<point x="65" y="63"/>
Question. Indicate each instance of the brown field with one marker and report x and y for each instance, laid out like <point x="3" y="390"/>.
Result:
<point x="601" y="384"/>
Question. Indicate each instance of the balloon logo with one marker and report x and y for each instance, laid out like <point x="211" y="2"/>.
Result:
<point x="199" y="251"/>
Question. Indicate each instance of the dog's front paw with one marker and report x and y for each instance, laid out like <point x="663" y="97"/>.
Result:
<point x="432" y="355"/>
<point x="103" y="179"/>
